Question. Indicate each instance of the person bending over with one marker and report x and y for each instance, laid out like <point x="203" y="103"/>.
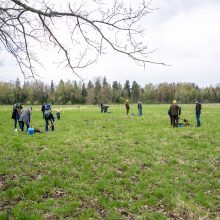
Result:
<point x="48" y="116"/>
<point x="25" y="118"/>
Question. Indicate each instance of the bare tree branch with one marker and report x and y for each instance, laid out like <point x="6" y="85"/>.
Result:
<point x="90" y="28"/>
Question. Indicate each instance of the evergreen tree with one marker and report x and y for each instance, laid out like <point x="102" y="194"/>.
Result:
<point x="106" y="91"/>
<point x="52" y="95"/>
<point x="90" y="85"/>
<point x="127" y="90"/>
<point x="135" y="92"/>
<point x="116" y="92"/>
<point x="18" y="91"/>
<point x="60" y="93"/>
<point x="90" y="93"/>
<point x="97" y="91"/>
<point x="84" y="93"/>
<point x="104" y="82"/>
<point x="52" y="87"/>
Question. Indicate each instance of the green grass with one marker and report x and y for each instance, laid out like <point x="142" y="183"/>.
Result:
<point x="111" y="166"/>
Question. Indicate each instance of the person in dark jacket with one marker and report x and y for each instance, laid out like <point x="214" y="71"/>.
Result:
<point x="127" y="106"/>
<point x="175" y="111"/>
<point x="25" y="118"/>
<point x="58" y="115"/>
<point x="140" y="108"/>
<point x="169" y="113"/>
<point x="198" y="113"/>
<point x="16" y="114"/>
<point x="43" y="109"/>
<point x="48" y="116"/>
<point x="104" y="107"/>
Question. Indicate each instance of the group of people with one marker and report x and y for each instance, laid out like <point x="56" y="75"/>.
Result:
<point x="104" y="107"/>
<point x="22" y="117"/>
<point x="175" y="111"/>
<point x="139" y="106"/>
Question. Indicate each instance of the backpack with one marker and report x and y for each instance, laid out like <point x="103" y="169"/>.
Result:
<point x="47" y="107"/>
<point x="30" y="131"/>
<point x="13" y="114"/>
<point x="47" y="114"/>
<point x="14" y="111"/>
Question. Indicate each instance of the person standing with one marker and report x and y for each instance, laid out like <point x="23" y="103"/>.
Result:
<point x="175" y="111"/>
<point x="169" y="113"/>
<point x="127" y="106"/>
<point x="25" y="118"/>
<point x="198" y="113"/>
<point x="140" y="108"/>
<point x="43" y="109"/>
<point x="16" y="114"/>
<point x="101" y="106"/>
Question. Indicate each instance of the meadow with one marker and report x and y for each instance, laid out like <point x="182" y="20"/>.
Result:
<point x="111" y="166"/>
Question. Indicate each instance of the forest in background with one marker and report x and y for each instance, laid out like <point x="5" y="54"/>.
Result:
<point x="100" y="90"/>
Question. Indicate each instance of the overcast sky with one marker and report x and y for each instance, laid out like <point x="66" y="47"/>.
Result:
<point x="185" y="34"/>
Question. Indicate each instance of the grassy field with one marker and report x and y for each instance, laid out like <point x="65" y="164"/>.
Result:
<point x="111" y="166"/>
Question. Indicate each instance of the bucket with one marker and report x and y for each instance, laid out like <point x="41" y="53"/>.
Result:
<point x="30" y="131"/>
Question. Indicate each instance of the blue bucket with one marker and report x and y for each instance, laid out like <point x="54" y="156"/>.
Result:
<point x="30" y="131"/>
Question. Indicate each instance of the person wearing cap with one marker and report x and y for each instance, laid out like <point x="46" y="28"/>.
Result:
<point x="25" y="118"/>
<point x="198" y="112"/>
<point x="127" y="106"/>
<point x="175" y="111"/>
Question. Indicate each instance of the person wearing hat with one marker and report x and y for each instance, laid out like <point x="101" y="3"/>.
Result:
<point x="198" y="112"/>
<point x="175" y="111"/>
<point x="127" y="107"/>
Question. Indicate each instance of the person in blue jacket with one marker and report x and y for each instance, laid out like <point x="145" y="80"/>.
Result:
<point x="140" y="108"/>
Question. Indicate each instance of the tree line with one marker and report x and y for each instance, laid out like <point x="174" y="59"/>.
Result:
<point x="100" y="90"/>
